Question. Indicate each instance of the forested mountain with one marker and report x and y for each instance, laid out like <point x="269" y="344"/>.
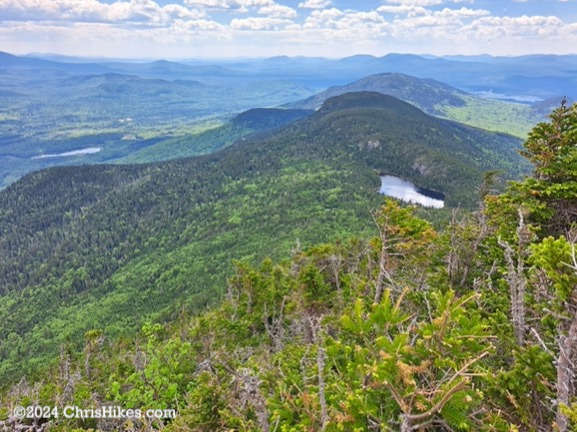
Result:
<point x="66" y="111"/>
<point x="254" y="121"/>
<point x="410" y="328"/>
<point x="110" y="247"/>
<point x="426" y="94"/>
<point x="441" y="100"/>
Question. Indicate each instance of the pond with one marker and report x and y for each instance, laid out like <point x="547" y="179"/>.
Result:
<point x="405" y="190"/>
<point x="84" y="151"/>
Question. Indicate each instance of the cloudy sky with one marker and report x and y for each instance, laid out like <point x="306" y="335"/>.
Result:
<point x="262" y="28"/>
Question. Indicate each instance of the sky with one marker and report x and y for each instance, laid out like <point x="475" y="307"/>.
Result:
<point x="211" y="29"/>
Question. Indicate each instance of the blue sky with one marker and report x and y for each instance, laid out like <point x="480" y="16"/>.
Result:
<point x="263" y="28"/>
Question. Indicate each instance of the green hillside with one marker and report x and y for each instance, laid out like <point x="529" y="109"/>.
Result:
<point x="257" y="120"/>
<point x="407" y="328"/>
<point x="440" y="100"/>
<point x="47" y="114"/>
<point x="110" y="247"/>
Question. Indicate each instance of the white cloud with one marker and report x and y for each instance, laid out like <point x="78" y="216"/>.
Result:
<point x="325" y="14"/>
<point x="411" y="10"/>
<point x="323" y="18"/>
<point x="426" y="2"/>
<point x="278" y="11"/>
<point x="259" y="24"/>
<point x="315" y="4"/>
<point x="462" y="13"/>
<point x="417" y="17"/>
<point x="334" y="24"/>
<point x="178" y="11"/>
<point x="523" y="27"/>
<point x="415" y="2"/>
<point x="219" y="4"/>
<point x="200" y="25"/>
<point x="241" y="5"/>
<point x="247" y="3"/>
<point x="138" y="11"/>
<point x="193" y="27"/>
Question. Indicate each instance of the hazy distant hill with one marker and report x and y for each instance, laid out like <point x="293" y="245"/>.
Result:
<point x="545" y="107"/>
<point x="540" y="76"/>
<point x="108" y="247"/>
<point x="441" y="100"/>
<point x="50" y="112"/>
<point x="427" y="94"/>
<point x="9" y="61"/>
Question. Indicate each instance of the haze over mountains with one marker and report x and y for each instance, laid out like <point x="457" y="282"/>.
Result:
<point x="150" y="111"/>
<point x="539" y="76"/>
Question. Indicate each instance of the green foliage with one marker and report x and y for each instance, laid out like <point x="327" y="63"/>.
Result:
<point x="544" y="272"/>
<point x="554" y="257"/>
<point x="571" y="412"/>
<point x="550" y="195"/>
<point x="551" y="146"/>
<point x="512" y="118"/>
<point x="159" y="376"/>
<point x="111" y="247"/>
<point x="407" y="330"/>
<point x="288" y="330"/>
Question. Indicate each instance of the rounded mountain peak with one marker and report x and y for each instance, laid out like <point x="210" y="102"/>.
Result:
<point x="367" y="99"/>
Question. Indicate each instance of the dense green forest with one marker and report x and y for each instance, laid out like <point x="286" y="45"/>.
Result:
<point x="441" y="100"/>
<point x="111" y="247"/>
<point x="52" y="112"/>
<point x="409" y="328"/>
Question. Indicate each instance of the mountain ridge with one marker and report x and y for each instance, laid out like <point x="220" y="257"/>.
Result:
<point x="438" y="99"/>
<point x="399" y="85"/>
<point x="110" y="247"/>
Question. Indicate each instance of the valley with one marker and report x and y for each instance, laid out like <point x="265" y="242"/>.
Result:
<point x="258" y="246"/>
<point x="152" y="111"/>
<point x="137" y="241"/>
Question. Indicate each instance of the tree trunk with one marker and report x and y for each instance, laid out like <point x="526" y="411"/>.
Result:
<point x="566" y="373"/>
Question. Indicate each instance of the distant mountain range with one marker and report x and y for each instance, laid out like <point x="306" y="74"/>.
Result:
<point x="540" y="76"/>
<point x="47" y="111"/>
<point x="146" y="112"/>
<point x="109" y="247"/>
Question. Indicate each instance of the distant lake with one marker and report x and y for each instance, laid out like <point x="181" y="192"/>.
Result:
<point x="88" y="150"/>
<point x="405" y="190"/>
